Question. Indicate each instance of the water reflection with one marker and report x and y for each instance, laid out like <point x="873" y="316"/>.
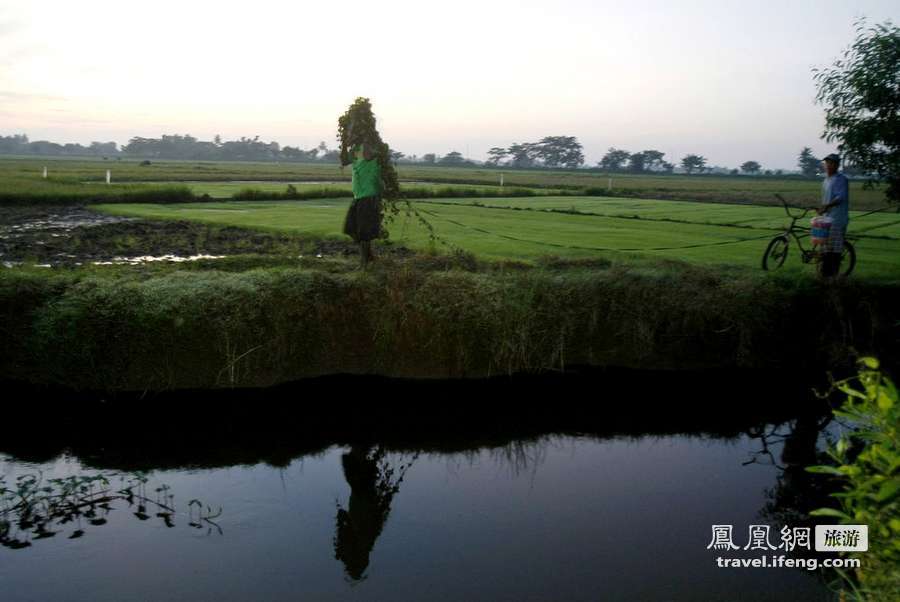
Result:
<point x="797" y="492"/>
<point x="505" y="501"/>
<point x="373" y="485"/>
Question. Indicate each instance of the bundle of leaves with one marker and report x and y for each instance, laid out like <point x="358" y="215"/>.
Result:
<point x="357" y="126"/>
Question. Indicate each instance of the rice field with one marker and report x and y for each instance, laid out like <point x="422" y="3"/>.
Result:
<point x="569" y="227"/>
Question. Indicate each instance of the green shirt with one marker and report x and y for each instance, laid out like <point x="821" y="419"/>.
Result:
<point x="366" y="178"/>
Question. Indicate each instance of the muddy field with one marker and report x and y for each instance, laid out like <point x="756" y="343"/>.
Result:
<point x="60" y="236"/>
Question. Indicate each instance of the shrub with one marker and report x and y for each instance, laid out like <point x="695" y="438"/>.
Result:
<point x="871" y="478"/>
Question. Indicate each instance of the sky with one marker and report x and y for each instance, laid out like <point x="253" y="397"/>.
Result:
<point x="728" y="80"/>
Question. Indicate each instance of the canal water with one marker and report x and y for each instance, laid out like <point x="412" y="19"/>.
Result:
<point x="586" y="496"/>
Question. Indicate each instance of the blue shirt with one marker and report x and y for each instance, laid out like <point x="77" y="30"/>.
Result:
<point x="837" y="188"/>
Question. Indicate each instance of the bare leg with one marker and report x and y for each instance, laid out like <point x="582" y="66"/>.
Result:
<point x="365" y="252"/>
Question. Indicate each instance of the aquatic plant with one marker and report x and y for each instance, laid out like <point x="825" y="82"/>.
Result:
<point x="35" y="508"/>
<point x="867" y="463"/>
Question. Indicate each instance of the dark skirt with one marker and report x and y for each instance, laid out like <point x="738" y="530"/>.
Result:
<point x="363" y="221"/>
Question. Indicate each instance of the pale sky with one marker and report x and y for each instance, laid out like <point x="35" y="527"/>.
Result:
<point x="726" y="79"/>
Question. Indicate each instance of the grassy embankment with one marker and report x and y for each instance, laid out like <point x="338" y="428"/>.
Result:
<point x="203" y="325"/>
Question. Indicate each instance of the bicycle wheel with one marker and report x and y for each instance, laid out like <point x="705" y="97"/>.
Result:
<point x="775" y="253"/>
<point x="848" y="259"/>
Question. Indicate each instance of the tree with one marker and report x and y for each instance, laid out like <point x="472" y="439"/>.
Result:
<point x="861" y="96"/>
<point x="429" y="158"/>
<point x="452" y="158"/>
<point x="103" y="148"/>
<point x="648" y="160"/>
<point x="637" y="162"/>
<point x="692" y="163"/>
<point x="559" y="151"/>
<point x="750" y="167"/>
<point x="396" y="156"/>
<point x="331" y="156"/>
<point x="522" y="155"/>
<point x="614" y="159"/>
<point x="809" y="165"/>
<point x="496" y="155"/>
<point x="653" y="160"/>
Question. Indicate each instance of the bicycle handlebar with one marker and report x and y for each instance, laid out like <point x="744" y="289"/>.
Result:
<point x="787" y="208"/>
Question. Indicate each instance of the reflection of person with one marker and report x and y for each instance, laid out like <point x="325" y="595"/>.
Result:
<point x="363" y="221"/>
<point x="835" y="204"/>
<point x="361" y="523"/>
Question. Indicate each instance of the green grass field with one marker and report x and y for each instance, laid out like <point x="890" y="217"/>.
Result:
<point x="705" y="234"/>
<point x="709" y="220"/>
<point x="225" y="190"/>
<point x="23" y="174"/>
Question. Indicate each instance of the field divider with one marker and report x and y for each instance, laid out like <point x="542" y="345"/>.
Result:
<point x="583" y="248"/>
<point x="592" y="214"/>
<point x="856" y="234"/>
<point x="884" y="225"/>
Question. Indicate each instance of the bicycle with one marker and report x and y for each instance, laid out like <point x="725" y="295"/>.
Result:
<point x="777" y="250"/>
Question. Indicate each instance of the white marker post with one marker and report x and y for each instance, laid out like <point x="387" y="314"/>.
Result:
<point x="501" y="179"/>
<point x="45" y="172"/>
<point x="108" y="176"/>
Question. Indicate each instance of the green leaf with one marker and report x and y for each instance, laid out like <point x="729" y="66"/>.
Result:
<point x="869" y="362"/>
<point x="830" y="512"/>
<point x="842" y="446"/>
<point x="888" y="490"/>
<point x="885" y="402"/>
<point x="824" y="470"/>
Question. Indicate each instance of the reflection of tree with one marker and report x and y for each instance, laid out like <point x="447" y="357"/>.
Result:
<point x="373" y="485"/>
<point x="34" y="508"/>
<point x="796" y="491"/>
<point x="519" y="456"/>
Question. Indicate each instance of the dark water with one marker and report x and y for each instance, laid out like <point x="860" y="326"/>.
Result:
<point x="587" y="497"/>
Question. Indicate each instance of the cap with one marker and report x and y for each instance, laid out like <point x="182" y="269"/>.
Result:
<point x="833" y="157"/>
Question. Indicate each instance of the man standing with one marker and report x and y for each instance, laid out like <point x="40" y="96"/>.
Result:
<point x="835" y="204"/>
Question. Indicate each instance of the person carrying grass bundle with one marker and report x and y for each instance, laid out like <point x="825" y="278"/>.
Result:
<point x="374" y="177"/>
<point x="363" y="220"/>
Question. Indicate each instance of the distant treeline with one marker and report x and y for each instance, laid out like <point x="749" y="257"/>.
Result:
<point x="19" y="144"/>
<point x="553" y="152"/>
<point x="173" y="146"/>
